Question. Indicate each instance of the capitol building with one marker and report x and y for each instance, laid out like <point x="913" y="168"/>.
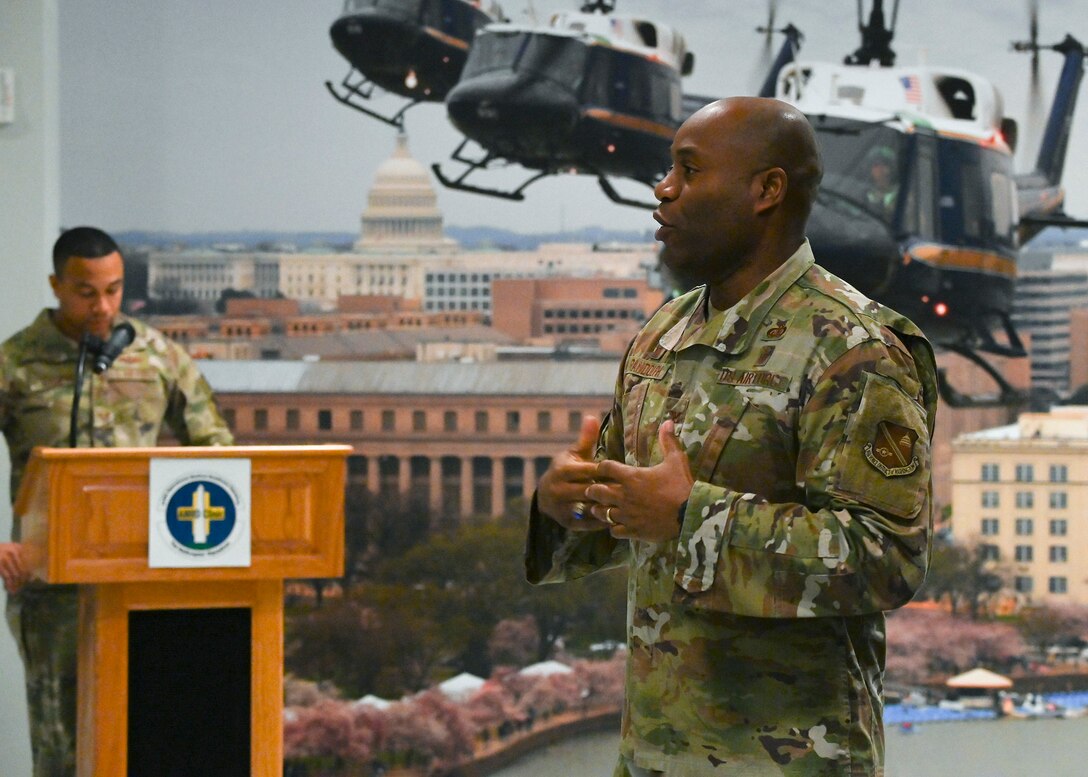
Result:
<point x="401" y="251"/>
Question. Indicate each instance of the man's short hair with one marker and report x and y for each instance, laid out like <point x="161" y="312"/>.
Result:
<point x="84" y="242"/>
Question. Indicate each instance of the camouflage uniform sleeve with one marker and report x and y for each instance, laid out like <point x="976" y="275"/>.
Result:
<point x="5" y="389"/>
<point x="552" y="554"/>
<point x="191" y="411"/>
<point x="859" y="541"/>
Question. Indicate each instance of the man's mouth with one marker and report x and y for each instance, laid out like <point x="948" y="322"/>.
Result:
<point x="664" y="228"/>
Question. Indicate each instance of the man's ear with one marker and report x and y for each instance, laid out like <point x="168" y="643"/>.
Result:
<point x="771" y="188"/>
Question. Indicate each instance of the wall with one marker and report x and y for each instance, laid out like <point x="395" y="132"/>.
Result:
<point x="29" y="220"/>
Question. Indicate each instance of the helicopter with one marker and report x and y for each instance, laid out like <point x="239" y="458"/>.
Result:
<point x="937" y="238"/>
<point x="412" y="48"/>
<point x="590" y="93"/>
<point x="919" y="207"/>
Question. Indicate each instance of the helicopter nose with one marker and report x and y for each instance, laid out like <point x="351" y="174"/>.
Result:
<point x="514" y="116"/>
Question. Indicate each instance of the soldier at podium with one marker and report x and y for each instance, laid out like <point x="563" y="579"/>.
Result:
<point x="150" y="383"/>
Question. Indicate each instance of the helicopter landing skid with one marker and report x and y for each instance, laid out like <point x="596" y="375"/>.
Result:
<point x="358" y="89"/>
<point x="616" y="197"/>
<point x="471" y="166"/>
<point x="1007" y="395"/>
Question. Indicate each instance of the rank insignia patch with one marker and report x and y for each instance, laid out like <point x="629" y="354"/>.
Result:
<point x="776" y="332"/>
<point x="892" y="450"/>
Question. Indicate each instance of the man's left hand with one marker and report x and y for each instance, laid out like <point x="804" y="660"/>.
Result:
<point x="12" y="566"/>
<point x="642" y="503"/>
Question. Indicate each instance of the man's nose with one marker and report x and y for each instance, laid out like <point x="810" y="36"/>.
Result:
<point x="665" y="190"/>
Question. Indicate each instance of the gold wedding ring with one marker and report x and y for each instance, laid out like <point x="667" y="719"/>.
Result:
<point x="608" y="517"/>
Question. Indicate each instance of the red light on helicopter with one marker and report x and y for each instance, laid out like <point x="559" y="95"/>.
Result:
<point x="940" y="309"/>
<point x="611" y="148"/>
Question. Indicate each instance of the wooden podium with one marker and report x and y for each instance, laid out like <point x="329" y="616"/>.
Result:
<point x="85" y="519"/>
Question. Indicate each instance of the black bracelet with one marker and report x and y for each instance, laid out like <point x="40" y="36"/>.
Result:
<point x="680" y="513"/>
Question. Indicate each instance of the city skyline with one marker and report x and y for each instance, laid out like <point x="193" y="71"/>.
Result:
<point x="200" y="117"/>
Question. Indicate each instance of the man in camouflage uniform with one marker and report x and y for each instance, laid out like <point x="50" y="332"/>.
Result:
<point x="764" y="472"/>
<point x="152" y="381"/>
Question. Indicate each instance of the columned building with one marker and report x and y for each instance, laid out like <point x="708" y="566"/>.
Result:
<point x="1022" y="492"/>
<point x="466" y="438"/>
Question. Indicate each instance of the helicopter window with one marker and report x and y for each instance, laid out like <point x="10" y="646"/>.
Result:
<point x="560" y="59"/>
<point x="922" y="195"/>
<point x="648" y="33"/>
<point x="958" y="96"/>
<point x="862" y="165"/>
<point x="977" y="203"/>
<point x="494" y="51"/>
<point x="974" y="207"/>
<point x="1003" y="194"/>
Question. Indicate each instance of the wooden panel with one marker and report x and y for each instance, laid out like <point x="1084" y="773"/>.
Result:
<point x="103" y="666"/>
<point x="98" y="500"/>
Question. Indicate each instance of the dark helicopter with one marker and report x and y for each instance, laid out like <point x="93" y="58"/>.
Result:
<point x="412" y="48"/>
<point x="590" y="93"/>
<point x="919" y="207"/>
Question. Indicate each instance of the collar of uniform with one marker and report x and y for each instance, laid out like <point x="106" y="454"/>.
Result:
<point x="731" y="331"/>
<point x="51" y="342"/>
<point x="54" y="344"/>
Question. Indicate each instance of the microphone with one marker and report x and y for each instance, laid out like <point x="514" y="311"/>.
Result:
<point x="119" y="339"/>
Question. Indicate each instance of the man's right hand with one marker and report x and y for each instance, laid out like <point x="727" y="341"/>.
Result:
<point x="12" y="566"/>
<point x="561" y="493"/>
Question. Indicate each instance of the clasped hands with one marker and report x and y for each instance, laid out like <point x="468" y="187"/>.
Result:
<point x="639" y="503"/>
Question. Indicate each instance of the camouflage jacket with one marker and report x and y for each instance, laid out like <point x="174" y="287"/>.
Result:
<point x="151" y="382"/>
<point x="756" y="639"/>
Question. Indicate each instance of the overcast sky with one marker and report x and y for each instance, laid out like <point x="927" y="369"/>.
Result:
<point x="204" y="115"/>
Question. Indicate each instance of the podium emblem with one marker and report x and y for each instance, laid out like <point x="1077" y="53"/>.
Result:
<point x="199" y="513"/>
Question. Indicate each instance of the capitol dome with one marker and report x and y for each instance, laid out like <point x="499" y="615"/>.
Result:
<point x="402" y="208"/>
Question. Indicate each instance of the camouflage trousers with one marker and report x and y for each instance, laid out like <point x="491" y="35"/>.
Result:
<point x="44" y="623"/>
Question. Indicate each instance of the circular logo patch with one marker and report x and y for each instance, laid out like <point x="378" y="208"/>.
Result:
<point x="200" y="515"/>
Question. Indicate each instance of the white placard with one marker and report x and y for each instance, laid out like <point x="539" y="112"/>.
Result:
<point x="199" y="514"/>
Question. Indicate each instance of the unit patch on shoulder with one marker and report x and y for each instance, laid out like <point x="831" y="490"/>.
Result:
<point x="892" y="450"/>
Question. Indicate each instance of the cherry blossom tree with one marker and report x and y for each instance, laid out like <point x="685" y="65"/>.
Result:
<point x="328" y="735"/>
<point x="514" y="641"/>
<point x="924" y="643"/>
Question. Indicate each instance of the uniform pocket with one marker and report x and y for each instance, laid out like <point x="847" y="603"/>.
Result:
<point x="711" y="430"/>
<point x="633" y="400"/>
<point x="134" y="383"/>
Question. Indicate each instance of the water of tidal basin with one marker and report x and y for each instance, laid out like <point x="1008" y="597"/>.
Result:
<point x="1000" y="748"/>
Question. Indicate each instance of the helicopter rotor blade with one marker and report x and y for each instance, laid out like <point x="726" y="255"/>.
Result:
<point x="1036" y="117"/>
<point x="1032" y="123"/>
<point x="766" y="54"/>
<point x="1033" y="29"/>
